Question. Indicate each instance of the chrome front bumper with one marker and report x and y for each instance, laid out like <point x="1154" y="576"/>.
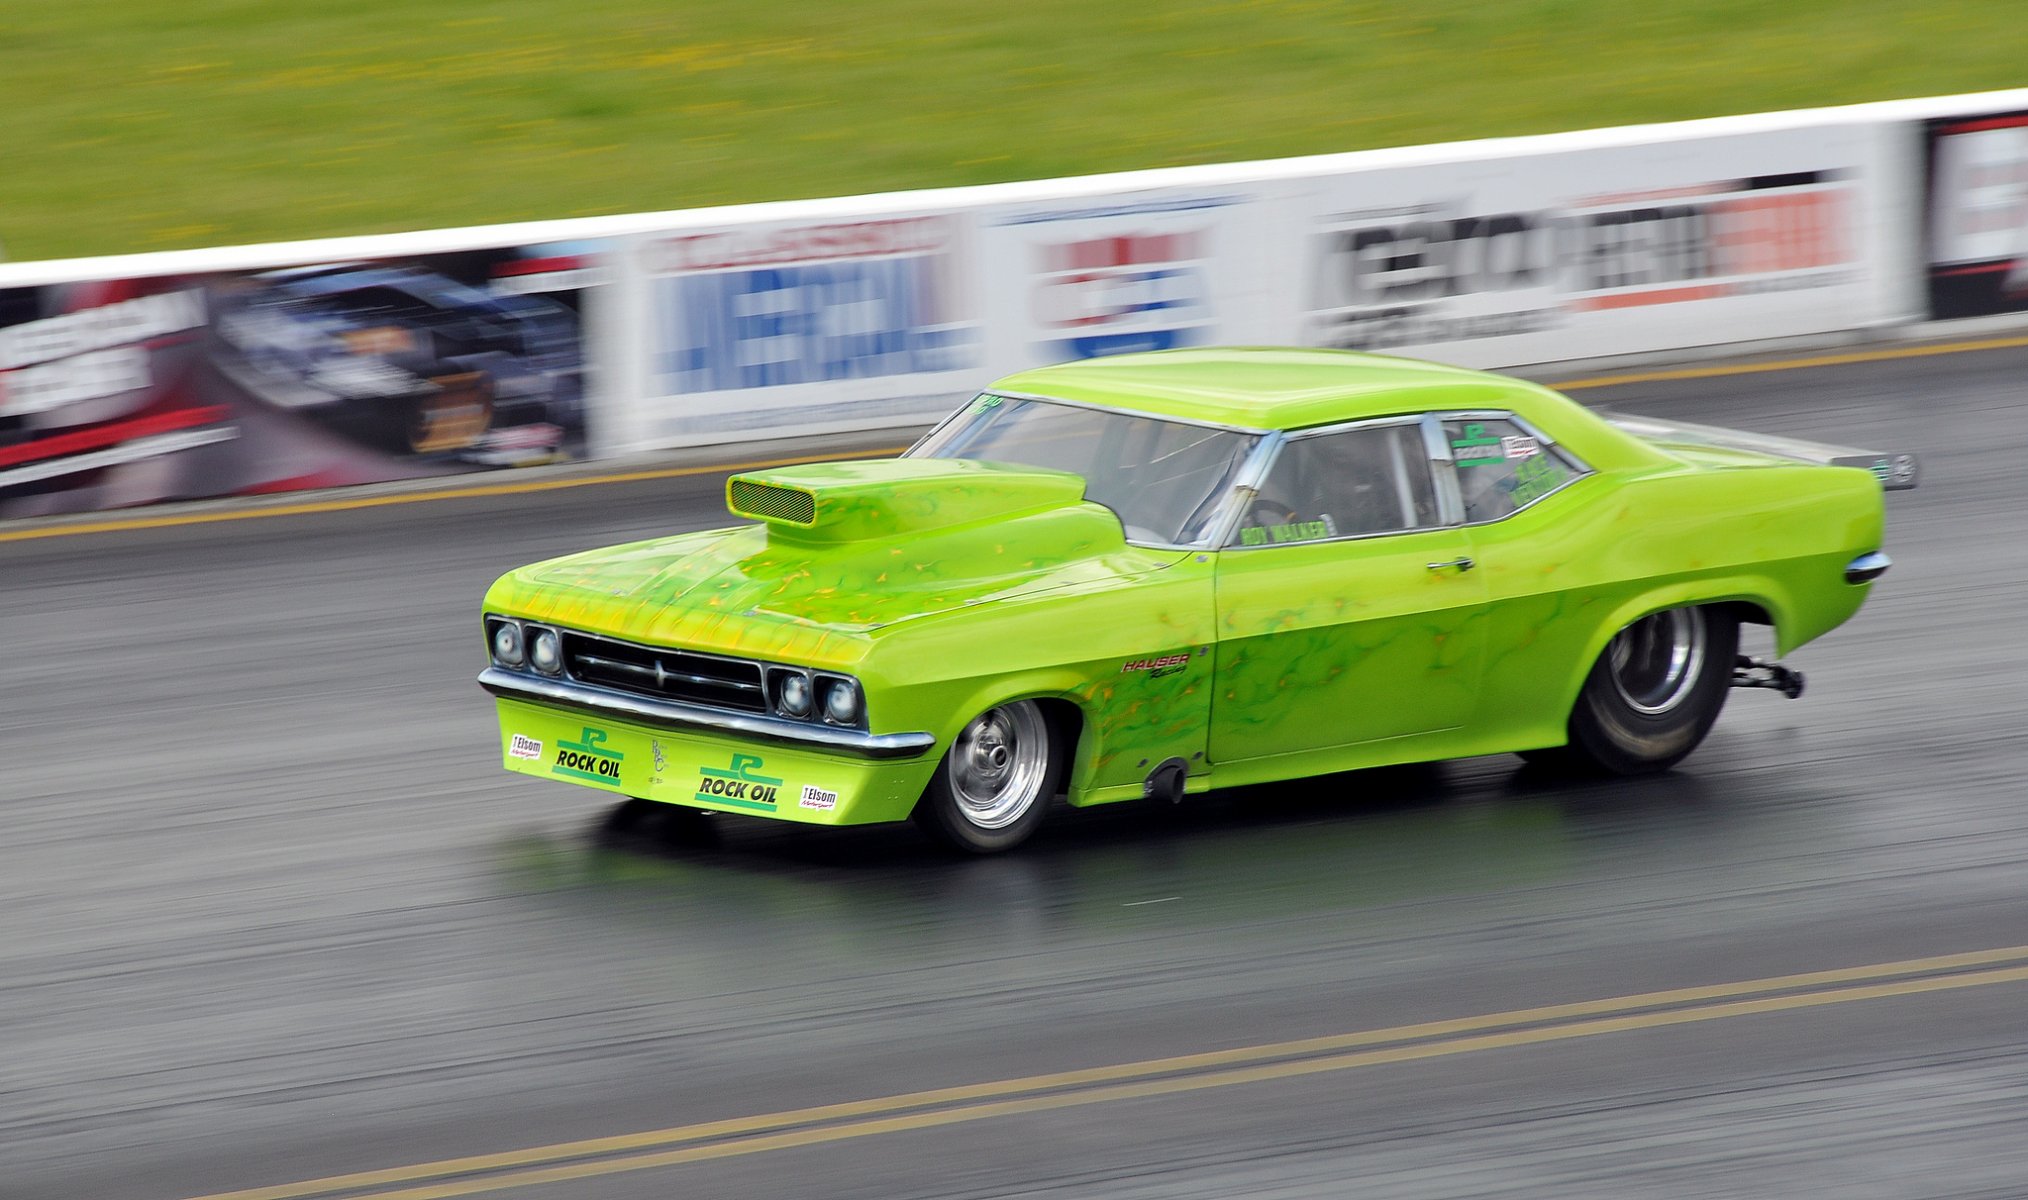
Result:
<point x="669" y="714"/>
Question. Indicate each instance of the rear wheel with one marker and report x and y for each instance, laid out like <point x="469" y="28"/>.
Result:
<point x="1653" y="694"/>
<point x="995" y="782"/>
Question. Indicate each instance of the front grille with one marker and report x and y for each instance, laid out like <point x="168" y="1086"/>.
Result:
<point x="665" y="674"/>
<point x="776" y="503"/>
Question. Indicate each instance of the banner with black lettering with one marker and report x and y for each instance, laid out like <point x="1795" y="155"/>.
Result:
<point x="1977" y="214"/>
<point x="129" y="391"/>
<point x="1570" y="254"/>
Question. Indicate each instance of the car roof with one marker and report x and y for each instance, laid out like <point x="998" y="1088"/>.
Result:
<point x="1274" y="388"/>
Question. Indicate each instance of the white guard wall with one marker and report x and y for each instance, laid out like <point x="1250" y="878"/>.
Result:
<point x="1488" y="254"/>
<point x="808" y="317"/>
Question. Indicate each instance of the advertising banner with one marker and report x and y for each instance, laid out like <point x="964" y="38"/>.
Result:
<point x="1151" y="271"/>
<point x="129" y="391"/>
<point x="1977" y="214"/>
<point x="775" y="328"/>
<point x="1601" y="251"/>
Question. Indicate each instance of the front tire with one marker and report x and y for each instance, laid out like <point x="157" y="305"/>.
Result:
<point x="996" y="781"/>
<point x="1654" y="693"/>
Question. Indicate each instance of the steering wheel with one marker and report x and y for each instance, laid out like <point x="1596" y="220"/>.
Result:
<point x="1267" y="512"/>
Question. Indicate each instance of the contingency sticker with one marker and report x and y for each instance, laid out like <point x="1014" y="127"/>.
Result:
<point x="1476" y="447"/>
<point x="524" y="746"/>
<point x="818" y="799"/>
<point x="740" y="784"/>
<point x="1520" y="447"/>
<point x="587" y="758"/>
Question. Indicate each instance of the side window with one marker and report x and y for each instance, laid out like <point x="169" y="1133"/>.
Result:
<point x="1331" y="485"/>
<point x="1502" y="468"/>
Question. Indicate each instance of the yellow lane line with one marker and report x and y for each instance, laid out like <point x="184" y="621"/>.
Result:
<point x="1883" y="354"/>
<point x="122" y="524"/>
<point x="1137" y="1075"/>
<point x="1192" y="1083"/>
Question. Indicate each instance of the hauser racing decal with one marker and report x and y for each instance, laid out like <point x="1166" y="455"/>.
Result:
<point x="586" y="759"/>
<point x="1167" y="664"/>
<point x="740" y="785"/>
<point x="525" y="747"/>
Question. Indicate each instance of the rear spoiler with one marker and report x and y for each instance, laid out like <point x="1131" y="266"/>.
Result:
<point x="1896" y="472"/>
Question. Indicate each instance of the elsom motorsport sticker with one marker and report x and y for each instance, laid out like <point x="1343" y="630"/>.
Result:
<point x="525" y="747"/>
<point x="587" y="758"/>
<point x="817" y="798"/>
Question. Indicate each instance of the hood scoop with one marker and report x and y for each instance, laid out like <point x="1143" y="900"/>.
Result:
<point x="890" y="497"/>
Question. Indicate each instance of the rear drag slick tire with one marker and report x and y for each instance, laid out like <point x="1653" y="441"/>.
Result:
<point x="1653" y="694"/>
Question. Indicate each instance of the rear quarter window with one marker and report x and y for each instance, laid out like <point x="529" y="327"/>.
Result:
<point x="1502" y="468"/>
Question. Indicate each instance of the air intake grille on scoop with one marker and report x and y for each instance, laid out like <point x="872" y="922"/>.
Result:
<point x="733" y="683"/>
<point x="773" y="503"/>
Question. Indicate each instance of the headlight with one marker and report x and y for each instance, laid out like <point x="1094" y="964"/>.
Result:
<point x="795" y="696"/>
<point x="545" y="651"/>
<point x="841" y="702"/>
<point x="507" y="645"/>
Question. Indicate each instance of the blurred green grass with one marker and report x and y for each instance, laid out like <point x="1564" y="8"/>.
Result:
<point x="135" y="125"/>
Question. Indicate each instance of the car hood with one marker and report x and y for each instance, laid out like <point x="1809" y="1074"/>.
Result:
<point x="877" y="543"/>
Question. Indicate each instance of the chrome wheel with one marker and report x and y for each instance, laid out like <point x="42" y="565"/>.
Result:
<point x="1655" y="663"/>
<point x="999" y="765"/>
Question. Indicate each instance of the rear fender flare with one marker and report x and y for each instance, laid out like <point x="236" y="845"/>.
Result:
<point x="1759" y="594"/>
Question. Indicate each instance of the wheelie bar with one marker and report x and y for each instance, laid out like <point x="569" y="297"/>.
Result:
<point x="1750" y="672"/>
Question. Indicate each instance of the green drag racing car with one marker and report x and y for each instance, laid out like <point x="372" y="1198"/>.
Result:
<point x="1155" y="574"/>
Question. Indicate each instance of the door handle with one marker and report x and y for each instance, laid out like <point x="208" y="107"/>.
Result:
<point x="1461" y="563"/>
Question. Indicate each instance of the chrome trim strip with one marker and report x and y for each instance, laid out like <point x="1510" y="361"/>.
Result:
<point x="1120" y="409"/>
<point x="670" y="714"/>
<point x="1443" y="466"/>
<point x="1867" y="567"/>
<point x="1493" y="414"/>
<point x="1573" y="481"/>
<point x="661" y="675"/>
<point x="1310" y="431"/>
<point x="647" y="649"/>
<point x="1245" y="490"/>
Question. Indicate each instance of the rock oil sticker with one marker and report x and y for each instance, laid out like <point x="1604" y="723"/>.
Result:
<point x="740" y="785"/>
<point x="1477" y="448"/>
<point x="587" y="759"/>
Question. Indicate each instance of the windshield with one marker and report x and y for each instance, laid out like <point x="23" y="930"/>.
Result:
<point x="1167" y="480"/>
